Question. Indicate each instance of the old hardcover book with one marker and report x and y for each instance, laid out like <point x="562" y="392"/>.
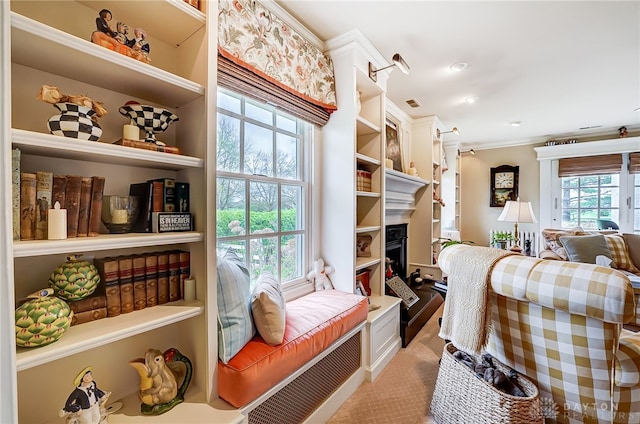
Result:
<point x="182" y="197"/>
<point x="72" y="204"/>
<point x="87" y="316"/>
<point x="95" y="210"/>
<point x="144" y="193"/>
<point x="157" y="196"/>
<point x="185" y="269"/>
<point x="58" y="190"/>
<point x="125" y="278"/>
<point x="85" y="207"/>
<point x="151" y="278"/>
<point x="108" y="270"/>
<point x="168" y="194"/>
<point x="174" y="275"/>
<point x="147" y="146"/>
<point x="94" y="301"/>
<point x="163" y="277"/>
<point x="15" y="192"/>
<point x="27" y="206"/>
<point x="139" y="282"/>
<point x="44" y="185"/>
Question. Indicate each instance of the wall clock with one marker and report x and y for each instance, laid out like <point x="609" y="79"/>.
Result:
<point x="504" y="185"/>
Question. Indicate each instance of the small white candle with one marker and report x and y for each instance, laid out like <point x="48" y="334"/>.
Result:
<point x="119" y="216"/>
<point x="413" y="171"/>
<point x="190" y="289"/>
<point x="388" y="163"/>
<point x="131" y="132"/>
<point x="57" y="228"/>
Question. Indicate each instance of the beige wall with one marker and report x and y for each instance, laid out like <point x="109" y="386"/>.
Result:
<point x="478" y="218"/>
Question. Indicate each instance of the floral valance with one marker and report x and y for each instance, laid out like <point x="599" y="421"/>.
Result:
<point x="253" y="37"/>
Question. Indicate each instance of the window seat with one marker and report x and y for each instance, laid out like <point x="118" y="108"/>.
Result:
<point x="313" y="324"/>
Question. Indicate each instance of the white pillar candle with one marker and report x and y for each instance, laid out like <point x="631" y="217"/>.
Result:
<point x="388" y="163"/>
<point x="412" y="171"/>
<point x="189" y="289"/>
<point x="131" y="132"/>
<point x="119" y="216"/>
<point x="57" y="226"/>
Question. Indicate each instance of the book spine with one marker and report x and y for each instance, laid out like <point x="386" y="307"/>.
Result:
<point x="59" y="190"/>
<point x="44" y="185"/>
<point x="144" y="193"/>
<point x="72" y="204"/>
<point x="108" y="270"/>
<point x="182" y="197"/>
<point x="157" y="196"/>
<point x="139" y="283"/>
<point x="87" y="316"/>
<point x="27" y="206"/>
<point x="168" y="195"/>
<point x="125" y="277"/>
<point x="88" y="303"/>
<point x="174" y="276"/>
<point x="95" y="210"/>
<point x="163" y="277"/>
<point x="185" y="269"/>
<point x="15" y="192"/>
<point x="85" y="207"/>
<point x="151" y="278"/>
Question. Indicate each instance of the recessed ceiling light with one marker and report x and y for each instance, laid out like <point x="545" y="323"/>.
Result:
<point x="457" y="67"/>
<point x="471" y="100"/>
<point x="515" y="123"/>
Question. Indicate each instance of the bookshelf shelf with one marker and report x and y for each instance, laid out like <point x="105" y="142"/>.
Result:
<point x="93" y="334"/>
<point x="49" y="145"/>
<point x="32" y="248"/>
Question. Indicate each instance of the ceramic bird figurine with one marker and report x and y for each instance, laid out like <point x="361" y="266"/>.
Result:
<point x="159" y="376"/>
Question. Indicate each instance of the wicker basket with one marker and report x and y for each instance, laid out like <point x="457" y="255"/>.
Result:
<point x="462" y="397"/>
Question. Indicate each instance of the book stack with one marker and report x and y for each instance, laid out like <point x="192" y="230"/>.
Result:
<point x="90" y="308"/>
<point x="39" y="192"/>
<point x="135" y="282"/>
<point x="363" y="180"/>
<point x="164" y="206"/>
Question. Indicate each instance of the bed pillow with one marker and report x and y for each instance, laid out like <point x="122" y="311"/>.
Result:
<point x="268" y="308"/>
<point x="620" y="253"/>
<point x="585" y="248"/>
<point x="235" y="323"/>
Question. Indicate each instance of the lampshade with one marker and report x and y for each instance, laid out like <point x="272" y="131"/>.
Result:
<point x="516" y="211"/>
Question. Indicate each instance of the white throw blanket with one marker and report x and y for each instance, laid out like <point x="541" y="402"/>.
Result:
<point x="465" y="320"/>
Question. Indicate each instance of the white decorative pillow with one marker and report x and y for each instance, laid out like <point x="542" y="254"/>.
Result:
<point x="269" y="308"/>
<point x="235" y="324"/>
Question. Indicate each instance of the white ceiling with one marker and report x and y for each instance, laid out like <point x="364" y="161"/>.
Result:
<point x="555" y="66"/>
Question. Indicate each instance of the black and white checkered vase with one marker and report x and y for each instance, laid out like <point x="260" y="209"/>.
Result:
<point x="74" y="121"/>
<point x="148" y="118"/>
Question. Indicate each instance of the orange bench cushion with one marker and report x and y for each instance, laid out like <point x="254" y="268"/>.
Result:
<point x="314" y="322"/>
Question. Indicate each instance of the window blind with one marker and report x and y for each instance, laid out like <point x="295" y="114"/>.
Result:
<point x="243" y="81"/>
<point x="634" y="163"/>
<point x="590" y="165"/>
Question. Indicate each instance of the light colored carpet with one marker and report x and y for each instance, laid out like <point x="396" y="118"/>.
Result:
<point x="402" y="392"/>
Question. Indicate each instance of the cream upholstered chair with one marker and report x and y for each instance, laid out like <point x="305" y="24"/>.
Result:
<point x="560" y="324"/>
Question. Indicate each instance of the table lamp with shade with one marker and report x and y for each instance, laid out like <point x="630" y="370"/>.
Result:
<point x="517" y="212"/>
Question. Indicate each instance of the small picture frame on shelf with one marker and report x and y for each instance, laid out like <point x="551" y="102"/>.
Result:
<point x="363" y="246"/>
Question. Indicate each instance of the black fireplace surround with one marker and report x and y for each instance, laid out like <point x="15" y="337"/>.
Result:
<point x="396" y="249"/>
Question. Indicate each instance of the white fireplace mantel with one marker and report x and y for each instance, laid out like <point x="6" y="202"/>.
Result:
<point x="400" y="192"/>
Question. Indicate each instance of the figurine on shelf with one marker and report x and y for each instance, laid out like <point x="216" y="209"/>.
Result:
<point x="164" y="379"/>
<point x="117" y="40"/>
<point x="85" y="405"/>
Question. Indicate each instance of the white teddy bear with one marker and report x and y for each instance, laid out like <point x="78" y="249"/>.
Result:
<point x="320" y="275"/>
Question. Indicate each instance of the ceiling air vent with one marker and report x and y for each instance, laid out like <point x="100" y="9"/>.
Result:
<point x="413" y="103"/>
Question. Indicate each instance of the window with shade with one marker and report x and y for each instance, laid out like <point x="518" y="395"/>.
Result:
<point x="590" y="190"/>
<point x="261" y="193"/>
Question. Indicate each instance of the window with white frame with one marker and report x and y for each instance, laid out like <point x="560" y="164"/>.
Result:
<point x="262" y="198"/>
<point x="587" y="199"/>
